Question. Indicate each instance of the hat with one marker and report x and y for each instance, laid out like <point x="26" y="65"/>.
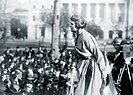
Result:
<point x="124" y="42"/>
<point x="117" y="41"/>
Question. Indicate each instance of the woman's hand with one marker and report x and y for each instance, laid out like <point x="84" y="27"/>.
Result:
<point x="103" y="86"/>
<point x="104" y="81"/>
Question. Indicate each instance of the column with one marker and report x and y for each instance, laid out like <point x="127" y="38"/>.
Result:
<point x="107" y="13"/>
<point x="79" y="8"/>
<point x="117" y="13"/>
<point x="88" y="12"/>
<point x="70" y="9"/>
<point x="97" y="13"/>
<point x="106" y="22"/>
<point x="125" y="13"/>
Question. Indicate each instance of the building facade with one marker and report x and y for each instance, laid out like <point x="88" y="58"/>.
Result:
<point x="19" y="24"/>
<point x="22" y="15"/>
<point x="38" y="28"/>
<point x="5" y="18"/>
<point x="110" y="15"/>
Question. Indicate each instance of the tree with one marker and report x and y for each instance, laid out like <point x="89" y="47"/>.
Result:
<point x="94" y="29"/>
<point x="47" y="18"/>
<point x="56" y="30"/>
<point x="3" y="20"/>
<point x="52" y="18"/>
<point x="64" y="22"/>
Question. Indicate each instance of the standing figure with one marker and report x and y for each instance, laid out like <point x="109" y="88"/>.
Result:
<point x="120" y="69"/>
<point x="118" y="58"/>
<point x="90" y="66"/>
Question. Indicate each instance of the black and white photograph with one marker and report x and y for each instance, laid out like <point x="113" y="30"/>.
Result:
<point x="66" y="47"/>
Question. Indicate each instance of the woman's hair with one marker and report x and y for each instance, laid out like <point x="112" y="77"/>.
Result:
<point x="79" y="21"/>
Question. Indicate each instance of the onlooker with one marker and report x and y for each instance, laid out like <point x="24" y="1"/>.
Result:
<point x="120" y="69"/>
<point x="118" y="58"/>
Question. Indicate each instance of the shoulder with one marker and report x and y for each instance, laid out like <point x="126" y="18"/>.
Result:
<point x="87" y="36"/>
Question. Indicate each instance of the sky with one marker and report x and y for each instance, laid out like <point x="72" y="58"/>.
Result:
<point x="23" y="4"/>
<point x="13" y="4"/>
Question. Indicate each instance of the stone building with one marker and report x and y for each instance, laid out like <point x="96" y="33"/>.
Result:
<point x="110" y="15"/>
<point x="19" y="22"/>
<point x="38" y="28"/>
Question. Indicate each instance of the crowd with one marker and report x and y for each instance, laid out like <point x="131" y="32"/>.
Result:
<point x="32" y="70"/>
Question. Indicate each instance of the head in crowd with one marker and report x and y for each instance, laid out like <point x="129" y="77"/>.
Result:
<point x="117" y="43"/>
<point x="17" y="48"/>
<point x="30" y="48"/>
<point x="26" y="49"/>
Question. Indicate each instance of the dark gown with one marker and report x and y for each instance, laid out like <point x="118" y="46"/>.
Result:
<point x="124" y="86"/>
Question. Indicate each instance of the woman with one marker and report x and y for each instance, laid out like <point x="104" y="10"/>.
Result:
<point x="120" y="68"/>
<point x="118" y="58"/>
<point x="91" y="66"/>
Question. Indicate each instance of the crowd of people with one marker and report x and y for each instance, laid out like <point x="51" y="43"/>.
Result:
<point x="32" y="70"/>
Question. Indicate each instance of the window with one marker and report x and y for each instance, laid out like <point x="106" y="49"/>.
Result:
<point x="113" y="34"/>
<point x="34" y="6"/>
<point x="112" y="12"/>
<point x="119" y="33"/>
<point x="83" y="10"/>
<point x="110" y="34"/>
<point x="75" y="8"/>
<point x="65" y="8"/>
<point x="34" y="18"/>
<point x="43" y="31"/>
<point x="42" y="18"/>
<point x="43" y="6"/>
<point x="121" y="12"/>
<point x="93" y="11"/>
<point x="102" y="11"/>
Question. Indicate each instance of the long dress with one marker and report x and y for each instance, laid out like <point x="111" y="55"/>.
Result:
<point x="91" y="65"/>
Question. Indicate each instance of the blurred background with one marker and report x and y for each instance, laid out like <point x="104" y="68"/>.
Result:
<point x="31" y="21"/>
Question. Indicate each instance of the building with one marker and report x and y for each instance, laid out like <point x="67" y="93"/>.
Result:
<point x="39" y="29"/>
<point x="22" y="15"/>
<point x="5" y="25"/>
<point x="5" y="19"/>
<point x="110" y="15"/>
<point x="19" y="22"/>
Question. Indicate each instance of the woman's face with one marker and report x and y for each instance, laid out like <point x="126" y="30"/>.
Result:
<point x="73" y="26"/>
<point x="116" y="46"/>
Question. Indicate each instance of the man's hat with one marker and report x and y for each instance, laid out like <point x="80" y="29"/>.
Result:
<point x="117" y="40"/>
